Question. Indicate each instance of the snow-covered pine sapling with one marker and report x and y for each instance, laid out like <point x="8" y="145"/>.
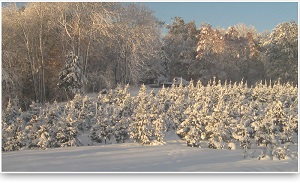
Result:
<point x="35" y="108"/>
<point x="53" y="115"/>
<point x="102" y="131"/>
<point x="159" y="128"/>
<point x="44" y="137"/>
<point x="86" y="116"/>
<point x="140" y="128"/>
<point x="11" y="112"/>
<point x="66" y="132"/>
<point x="191" y="128"/>
<point x="122" y="113"/>
<point x="157" y="114"/>
<point x="31" y="129"/>
<point x="218" y="125"/>
<point x="178" y="104"/>
<point x="12" y="127"/>
<point x="121" y="128"/>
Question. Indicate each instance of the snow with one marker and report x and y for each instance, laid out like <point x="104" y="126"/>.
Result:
<point x="174" y="156"/>
<point x="170" y="156"/>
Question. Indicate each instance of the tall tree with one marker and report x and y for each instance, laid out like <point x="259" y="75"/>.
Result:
<point x="71" y="77"/>
<point x="282" y="52"/>
<point x="179" y="44"/>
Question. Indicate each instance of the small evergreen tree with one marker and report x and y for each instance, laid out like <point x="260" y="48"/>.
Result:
<point x="191" y="128"/>
<point x="30" y="130"/>
<point x="122" y="114"/>
<point x="12" y="127"/>
<point x="140" y="128"/>
<point x="66" y="132"/>
<point x="86" y="115"/>
<point x="102" y="130"/>
<point x="218" y="125"/>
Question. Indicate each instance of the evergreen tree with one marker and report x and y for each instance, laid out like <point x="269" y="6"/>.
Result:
<point x="157" y="113"/>
<point x="71" y="78"/>
<point x="282" y="52"/>
<point x="30" y="130"/>
<point x="102" y="131"/>
<point x="218" y="126"/>
<point x="12" y="127"/>
<point x="122" y="114"/>
<point x="178" y="104"/>
<point x="48" y="131"/>
<point x="192" y="129"/>
<point x="140" y="128"/>
<point x="86" y="116"/>
<point x="44" y="137"/>
<point x="159" y="128"/>
<point x="66" y="132"/>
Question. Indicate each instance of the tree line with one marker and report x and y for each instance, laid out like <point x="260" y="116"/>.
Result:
<point x="122" y="43"/>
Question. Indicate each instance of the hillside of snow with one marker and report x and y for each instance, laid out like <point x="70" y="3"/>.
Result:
<point x="222" y="128"/>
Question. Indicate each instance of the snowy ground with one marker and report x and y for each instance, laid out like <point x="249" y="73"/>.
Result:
<point x="174" y="157"/>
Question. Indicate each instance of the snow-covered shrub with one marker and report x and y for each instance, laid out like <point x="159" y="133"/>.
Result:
<point x="231" y="146"/>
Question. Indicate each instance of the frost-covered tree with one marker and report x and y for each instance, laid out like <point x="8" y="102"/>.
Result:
<point x="282" y="52"/>
<point x="217" y="129"/>
<point x="30" y="130"/>
<point x="241" y="129"/>
<point x="44" y="137"/>
<point x="178" y="104"/>
<point x="140" y="127"/>
<point x="12" y="127"/>
<point x="262" y="92"/>
<point x="66" y="132"/>
<point x="12" y="136"/>
<point x="157" y="113"/>
<point x="102" y="131"/>
<point x="192" y="129"/>
<point x="86" y="115"/>
<point x="179" y="45"/>
<point x="71" y="77"/>
<point x="47" y="132"/>
<point x="159" y="128"/>
<point x="121" y="128"/>
<point x="122" y="113"/>
<point x="11" y="112"/>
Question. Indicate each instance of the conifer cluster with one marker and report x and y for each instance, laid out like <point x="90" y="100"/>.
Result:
<point x="216" y="116"/>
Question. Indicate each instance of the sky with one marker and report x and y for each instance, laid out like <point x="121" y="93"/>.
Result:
<point x="262" y="15"/>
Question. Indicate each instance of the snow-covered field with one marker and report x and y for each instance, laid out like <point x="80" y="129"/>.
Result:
<point x="173" y="157"/>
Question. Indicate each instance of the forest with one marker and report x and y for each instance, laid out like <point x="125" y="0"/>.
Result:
<point x="242" y="88"/>
<point x="51" y="51"/>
